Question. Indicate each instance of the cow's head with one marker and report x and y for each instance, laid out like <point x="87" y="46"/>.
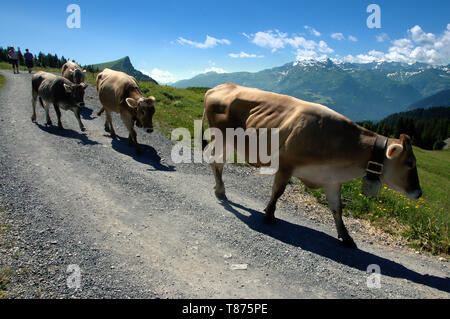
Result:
<point x="145" y="108"/>
<point x="74" y="96"/>
<point x="77" y="75"/>
<point x="400" y="171"/>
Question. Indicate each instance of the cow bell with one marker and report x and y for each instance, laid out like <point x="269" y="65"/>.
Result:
<point x="371" y="187"/>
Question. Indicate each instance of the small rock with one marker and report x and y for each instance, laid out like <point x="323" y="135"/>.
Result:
<point x="239" y="267"/>
<point x="442" y="259"/>
<point x="227" y="256"/>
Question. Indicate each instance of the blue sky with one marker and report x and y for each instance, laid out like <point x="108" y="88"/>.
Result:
<point x="168" y="39"/>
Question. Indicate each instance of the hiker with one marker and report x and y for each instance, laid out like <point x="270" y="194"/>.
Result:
<point x="14" y="59"/>
<point x="28" y="60"/>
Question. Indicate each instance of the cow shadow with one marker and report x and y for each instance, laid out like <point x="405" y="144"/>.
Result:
<point x="86" y="113"/>
<point x="67" y="133"/>
<point x="148" y="156"/>
<point x="329" y="247"/>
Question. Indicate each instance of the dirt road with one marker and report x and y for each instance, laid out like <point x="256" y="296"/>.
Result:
<point x="143" y="227"/>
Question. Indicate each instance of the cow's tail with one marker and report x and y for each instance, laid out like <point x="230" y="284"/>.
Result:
<point x="101" y="111"/>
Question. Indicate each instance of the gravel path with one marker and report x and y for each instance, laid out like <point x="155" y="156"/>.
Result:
<point x="143" y="227"/>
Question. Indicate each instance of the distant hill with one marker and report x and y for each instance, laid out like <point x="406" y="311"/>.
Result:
<point x="428" y="128"/>
<point x="123" y="65"/>
<point x="369" y="91"/>
<point x="441" y="98"/>
<point x="420" y="114"/>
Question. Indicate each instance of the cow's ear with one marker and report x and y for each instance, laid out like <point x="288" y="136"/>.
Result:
<point x="394" y="151"/>
<point x="131" y="102"/>
<point x="150" y="100"/>
<point x="68" y="88"/>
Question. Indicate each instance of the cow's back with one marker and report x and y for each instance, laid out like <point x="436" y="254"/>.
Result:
<point x="307" y="131"/>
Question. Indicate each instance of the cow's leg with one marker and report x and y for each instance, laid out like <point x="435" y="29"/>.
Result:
<point x="219" y="187"/>
<point x="80" y="124"/>
<point x="279" y="185"/>
<point x="333" y="193"/>
<point x="108" y="123"/>
<point x="46" y="107"/>
<point x="33" y="102"/>
<point x="132" y="137"/>
<point x="58" y="114"/>
<point x="219" y="156"/>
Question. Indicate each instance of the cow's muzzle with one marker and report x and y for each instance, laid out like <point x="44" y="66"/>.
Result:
<point x="149" y="130"/>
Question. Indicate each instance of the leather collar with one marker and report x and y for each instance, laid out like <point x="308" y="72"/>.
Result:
<point x="375" y="165"/>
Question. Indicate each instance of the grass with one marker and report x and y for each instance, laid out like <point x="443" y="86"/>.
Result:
<point x="175" y="107"/>
<point x="5" y="272"/>
<point x="7" y="66"/>
<point x="2" y="81"/>
<point x="423" y="222"/>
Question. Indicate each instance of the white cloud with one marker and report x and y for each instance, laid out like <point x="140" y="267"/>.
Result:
<point x="338" y="36"/>
<point x="309" y="55"/>
<point x="418" y="47"/>
<point x="270" y="39"/>
<point x="210" y="42"/>
<point x="161" y="76"/>
<point x="323" y="47"/>
<point x="245" y="55"/>
<point x="352" y="38"/>
<point x="420" y="37"/>
<point x="214" y="69"/>
<point x="276" y="40"/>
<point x="382" y="37"/>
<point x="312" y="31"/>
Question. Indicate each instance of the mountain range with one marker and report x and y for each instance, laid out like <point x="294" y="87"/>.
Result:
<point x="360" y="91"/>
<point x="124" y="64"/>
<point x="441" y="98"/>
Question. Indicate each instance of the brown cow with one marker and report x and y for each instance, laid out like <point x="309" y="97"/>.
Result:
<point x="316" y="144"/>
<point x="73" y="72"/>
<point x="120" y="93"/>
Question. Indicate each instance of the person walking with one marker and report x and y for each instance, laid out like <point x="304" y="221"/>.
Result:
<point x="28" y="60"/>
<point x="14" y="59"/>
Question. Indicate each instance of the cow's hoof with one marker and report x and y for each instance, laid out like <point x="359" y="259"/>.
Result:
<point x="33" y="119"/>
<point x="349" y="243"/>
<point x="269" y="220"/>
<point x="60" y="127"/>
<point x="221" y="196"/>
<point x="83" y="129"/>
<point x="49" y="123"/>
<point x="113" y="136"/>
<point x="107" y="129"/>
